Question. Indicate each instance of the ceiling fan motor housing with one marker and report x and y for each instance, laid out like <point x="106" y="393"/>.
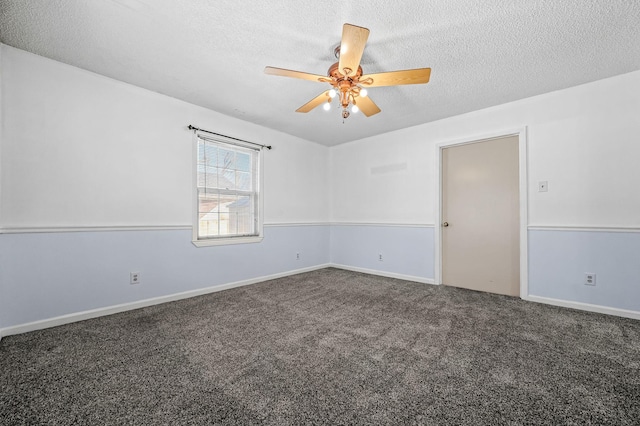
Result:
<point x="346" y="86"/>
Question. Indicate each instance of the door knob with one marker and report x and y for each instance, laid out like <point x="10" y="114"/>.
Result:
<point x="445" y="224"/>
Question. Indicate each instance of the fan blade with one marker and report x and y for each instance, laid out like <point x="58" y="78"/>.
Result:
<point x="294" y="74"/>
<point x="323" y="97"/>
<point x="394" y="78"/>
<point x="351" y="48"/>
<point x="367" y="106"/>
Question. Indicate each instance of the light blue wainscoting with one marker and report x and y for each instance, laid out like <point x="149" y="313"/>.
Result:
<point x="46" y="275"/>
<point x="407" y="251"/>
<point x="559" y="259"/>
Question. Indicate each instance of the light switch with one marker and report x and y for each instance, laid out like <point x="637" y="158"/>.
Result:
<point x="543" y="186"/>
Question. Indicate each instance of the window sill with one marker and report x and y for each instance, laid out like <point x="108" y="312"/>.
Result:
<point x="226" y="241"/>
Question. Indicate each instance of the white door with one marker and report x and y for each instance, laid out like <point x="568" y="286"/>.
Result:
<point x="480" y="216"/>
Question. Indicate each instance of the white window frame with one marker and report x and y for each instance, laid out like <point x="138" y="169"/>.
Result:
<point x="225" y="240"/>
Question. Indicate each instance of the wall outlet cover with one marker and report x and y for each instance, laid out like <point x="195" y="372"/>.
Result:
<point x="589" y="279"/>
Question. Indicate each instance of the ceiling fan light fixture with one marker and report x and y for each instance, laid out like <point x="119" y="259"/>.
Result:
<point x="347" y="78"/>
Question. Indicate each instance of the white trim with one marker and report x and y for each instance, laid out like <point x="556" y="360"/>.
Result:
<point x="261" y="187"/>
<point x="108" y="228"/>
<point x="521" y="132"/>
<point x="523" y="155"/>
<point x="99" y="312"/>
<point x="194" y="187"/>
<point x="1" y="145"/>
<point x="383" y="273"/>
<point x="584" y="307"/>
<point x="56" y="229"/>
<point x="584" y="228"/>
<point x="397" y="225"/>
<point x="226" y="241"/>
<point x="285" y="224"/>
<point x="1" y="130"/>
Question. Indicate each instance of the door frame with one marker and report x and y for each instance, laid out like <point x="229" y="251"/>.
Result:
<point x="521" y="133"/>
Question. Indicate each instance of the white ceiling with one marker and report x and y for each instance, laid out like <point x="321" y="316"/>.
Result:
<point x="212" y="53"/>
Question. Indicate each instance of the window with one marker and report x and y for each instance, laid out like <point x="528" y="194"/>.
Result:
<point x="227" y="192"/>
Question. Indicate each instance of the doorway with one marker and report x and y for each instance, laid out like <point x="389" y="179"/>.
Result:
<point x="481" y="223"/>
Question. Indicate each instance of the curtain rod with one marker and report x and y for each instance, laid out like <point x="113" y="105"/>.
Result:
<point x="229" y="137"/>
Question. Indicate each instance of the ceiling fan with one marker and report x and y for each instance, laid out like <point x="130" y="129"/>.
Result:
<point x="346" y="77"/>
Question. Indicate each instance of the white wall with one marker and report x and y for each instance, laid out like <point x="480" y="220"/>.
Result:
<point x="583" y="141"/>
<point x="80" y="149"/>
<point x="84" y="155"/>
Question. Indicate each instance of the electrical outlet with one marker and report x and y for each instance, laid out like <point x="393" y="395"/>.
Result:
<point x="135" y="278"/>
<point x="589" y="279"/>
<point x="380" y="257"/>
<point x="297" y="256"/>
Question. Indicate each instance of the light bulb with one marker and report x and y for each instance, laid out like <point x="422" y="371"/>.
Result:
<point x="354" y="108"/>
<point x="332" y="93"/>
<point x="326" y="106"/>
<point x="363" y="93"/>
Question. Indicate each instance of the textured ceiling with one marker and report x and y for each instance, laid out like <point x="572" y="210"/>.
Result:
<point x="212" y="53"/>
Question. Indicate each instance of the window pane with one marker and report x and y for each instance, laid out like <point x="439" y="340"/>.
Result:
<point x="246" y="225"/>
<point x="226" y="179"/>
<point x="243" y="161"/>
<point x="226" y="158"/>
<point x="243" y="212"/>
<point x="224" y="224"/>
<point x="208" y="177"/>
<point x="243" y="181"/>
<point x="200" y="152"/>
<point x="208" y="228"/>
<point x="233" y="224"/>
<point x="209" y="154"/>
<point x="206" y="198"/>
<point x="201" y="171"/>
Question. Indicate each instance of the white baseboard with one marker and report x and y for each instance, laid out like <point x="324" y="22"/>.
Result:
<point x="94" y="313"/>
<point x="584" y="306"/>
<point x="99" y="312"/>
<point x="384" y="273"/>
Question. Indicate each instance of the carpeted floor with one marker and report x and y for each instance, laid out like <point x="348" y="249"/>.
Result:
<point x="328" y="347"/>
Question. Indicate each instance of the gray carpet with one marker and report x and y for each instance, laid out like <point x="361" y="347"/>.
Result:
<point x="328" y="347"/>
